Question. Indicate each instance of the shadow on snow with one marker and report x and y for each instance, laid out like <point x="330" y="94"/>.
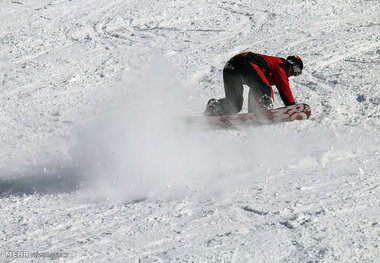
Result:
<point x="65" y="181"/>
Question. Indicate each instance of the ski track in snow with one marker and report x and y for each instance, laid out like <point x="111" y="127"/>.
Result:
<point x="93" y="166"/>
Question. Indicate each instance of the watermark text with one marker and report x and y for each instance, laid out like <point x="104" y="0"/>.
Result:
<point x="27" y="254"/>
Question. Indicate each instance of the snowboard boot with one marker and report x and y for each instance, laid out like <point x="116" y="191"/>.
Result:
<point x="213" y="108"/>
<point x="265" y="103"/>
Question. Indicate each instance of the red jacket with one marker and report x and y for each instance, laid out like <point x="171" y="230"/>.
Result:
<point x="272" y="71"/>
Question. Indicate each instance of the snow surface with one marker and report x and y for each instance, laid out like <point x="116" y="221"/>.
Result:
<point x="93" y="165"/>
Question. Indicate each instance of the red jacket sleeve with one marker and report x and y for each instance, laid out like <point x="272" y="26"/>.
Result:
<point x="282" y="83"/>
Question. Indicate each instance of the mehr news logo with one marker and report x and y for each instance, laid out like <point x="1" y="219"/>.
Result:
<point x="27" y="254"/>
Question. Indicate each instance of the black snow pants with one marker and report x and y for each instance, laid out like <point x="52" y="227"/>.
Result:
<point x="236" y="73"/>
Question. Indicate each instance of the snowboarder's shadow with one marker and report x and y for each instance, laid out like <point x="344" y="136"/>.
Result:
<point x="64" y="181"/>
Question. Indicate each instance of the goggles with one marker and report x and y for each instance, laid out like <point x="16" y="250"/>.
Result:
<point x="296" y="70"/>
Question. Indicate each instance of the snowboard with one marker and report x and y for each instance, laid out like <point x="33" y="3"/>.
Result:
<point x="299" y="111"/>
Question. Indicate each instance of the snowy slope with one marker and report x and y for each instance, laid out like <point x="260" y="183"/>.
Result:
<point x="93" y="165"/>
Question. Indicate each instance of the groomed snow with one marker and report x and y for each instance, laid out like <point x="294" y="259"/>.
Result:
<point x="96" y="168"/>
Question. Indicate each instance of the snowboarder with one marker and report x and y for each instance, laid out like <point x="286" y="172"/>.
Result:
<point x="259" y="73"/>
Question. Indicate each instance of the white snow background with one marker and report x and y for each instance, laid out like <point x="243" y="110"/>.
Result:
<point x="95" y="163"/>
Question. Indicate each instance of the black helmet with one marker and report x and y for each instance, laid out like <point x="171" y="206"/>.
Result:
<point x="296" y="63"/>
